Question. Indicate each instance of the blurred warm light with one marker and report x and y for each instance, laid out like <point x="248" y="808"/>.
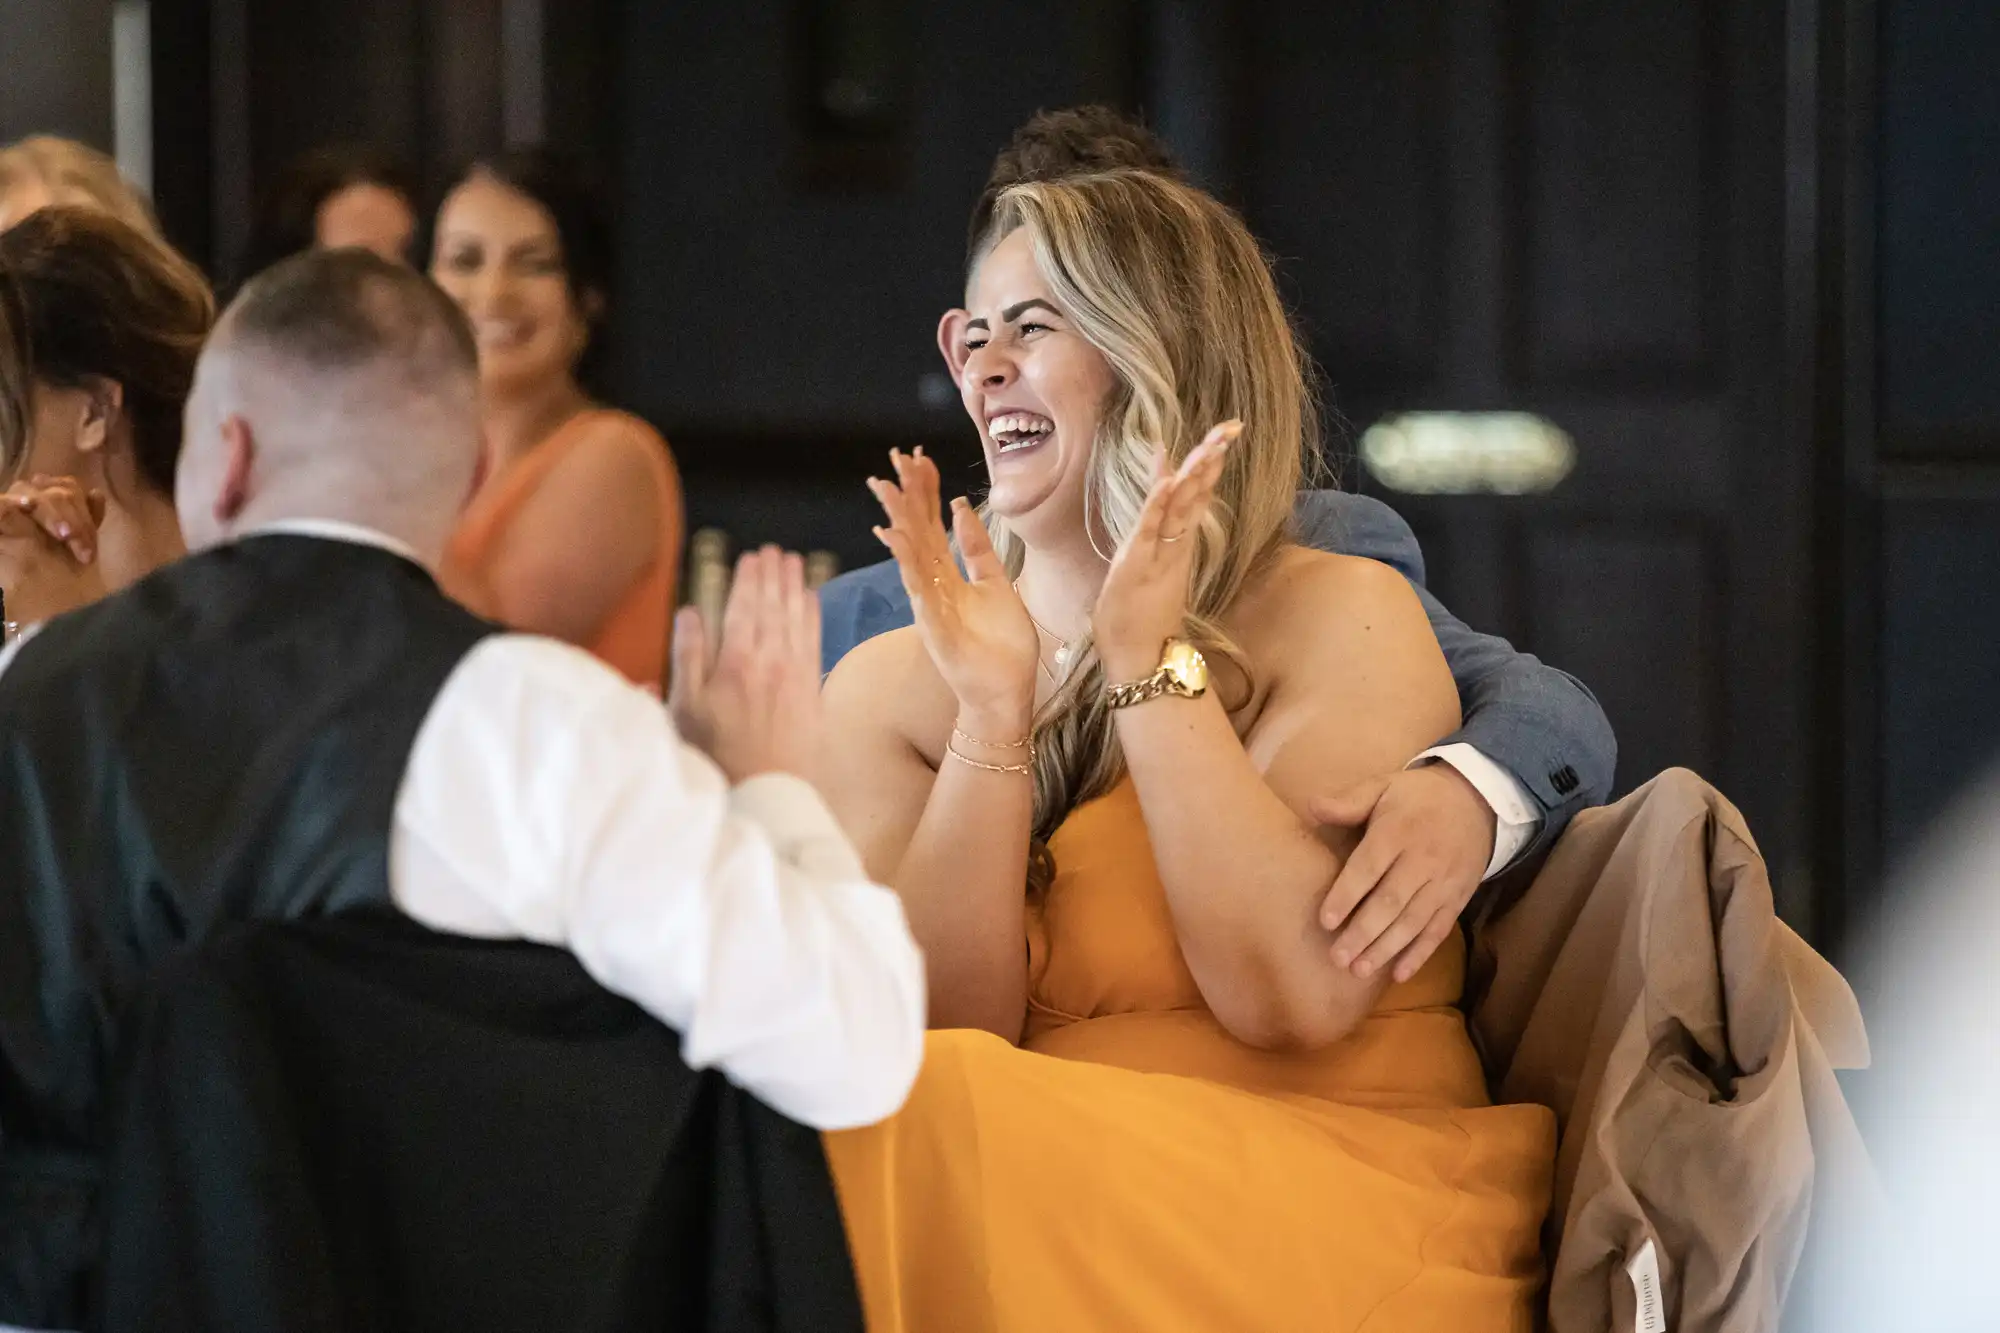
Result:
<point x="1467" y="453"/>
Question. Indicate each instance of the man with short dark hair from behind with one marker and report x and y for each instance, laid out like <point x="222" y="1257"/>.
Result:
<point x="294" y="721"/>
<point x="1535" y="747"/>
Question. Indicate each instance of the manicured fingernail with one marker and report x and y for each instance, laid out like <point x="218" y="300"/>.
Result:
<point x="1341" y="957"/>
<point x="62" y="531"/>
<point x="1364" y="969"/>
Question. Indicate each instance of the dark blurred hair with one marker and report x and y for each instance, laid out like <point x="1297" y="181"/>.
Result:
<point x="1076" y="141"/>
<point x="582" y="220"/>
<point x="287" y="219"/>
<point x="99" y="300"/>
<point x="14" y="384"/>
<point x="335" y="310"/>
<point x="573" y="200"/>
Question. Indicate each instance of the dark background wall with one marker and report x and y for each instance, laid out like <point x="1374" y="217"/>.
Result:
<point x="1744" y="255"/>
<point x="1938" y="408"/>
<point x="55" y="69"/>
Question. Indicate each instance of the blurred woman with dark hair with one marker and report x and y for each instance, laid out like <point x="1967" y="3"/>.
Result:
<point x="332" y="198"/>
<point x="577" y="531"/>
<point x="106" y="324"/>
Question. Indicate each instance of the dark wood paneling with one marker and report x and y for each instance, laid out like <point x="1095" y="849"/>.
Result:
<point x="322" y="71"/>
<point x="1345" y="179"/>
<point x="1632" y="607"/>
<point x="750" y="301"/>
<point x="55" y="69"/>
<point x="1615" y="114"/>
<point x="1940" y="659"/>
<point x="183" y="157"/>
<point x="1939" y="229"/>
<point x="464" y="96"/>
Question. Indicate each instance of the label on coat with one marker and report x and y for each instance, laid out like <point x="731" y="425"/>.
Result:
<point x="1649" y="1313"/>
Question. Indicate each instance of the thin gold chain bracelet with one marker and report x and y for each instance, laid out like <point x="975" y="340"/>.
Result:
<point x="1027" y="743"/>
<point x="1028" y="767"/>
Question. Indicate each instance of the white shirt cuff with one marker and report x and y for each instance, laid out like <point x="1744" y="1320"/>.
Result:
<point x="801" y="828"/>
<point x="1516" y="818"/>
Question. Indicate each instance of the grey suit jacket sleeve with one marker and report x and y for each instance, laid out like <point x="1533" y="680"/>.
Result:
<point x="856" y="606"/>
<point x="1536" y="722"/>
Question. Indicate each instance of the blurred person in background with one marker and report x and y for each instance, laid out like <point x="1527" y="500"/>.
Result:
<point x="108" y="323"/>
<point x="1931" y="1103"/>
<point x="576" y="531"/>
<point x="335" y="197"/>
<point x="42" y="170"/>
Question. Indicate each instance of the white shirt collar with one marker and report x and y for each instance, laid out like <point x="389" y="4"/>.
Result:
<point x="328" y="529"/>
<point x="332" y="529"/>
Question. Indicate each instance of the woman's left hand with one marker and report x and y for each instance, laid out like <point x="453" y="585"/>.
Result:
<point x="1144" y="599"/>
<point x="48" y="555"/>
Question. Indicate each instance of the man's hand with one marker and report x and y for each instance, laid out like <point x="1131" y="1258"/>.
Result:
<point x="1427" y="839"/>
<point x="755" y="708"/>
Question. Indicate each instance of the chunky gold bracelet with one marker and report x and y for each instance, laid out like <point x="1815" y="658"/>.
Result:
<point x="1028" y="767"/>
<point x="1027" y="744"/>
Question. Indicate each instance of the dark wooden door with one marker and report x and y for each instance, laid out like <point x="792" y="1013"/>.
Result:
<point x="1573" y="208"/>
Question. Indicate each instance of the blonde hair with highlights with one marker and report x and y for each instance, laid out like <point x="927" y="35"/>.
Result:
<point x="1169" y="285"/>
<point x="76" y="173"/>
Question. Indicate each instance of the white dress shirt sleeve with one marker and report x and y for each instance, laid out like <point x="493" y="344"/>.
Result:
<point x="12" y="649"/>
<point x="1516" y="819"/>
<point x="548" y="799"/>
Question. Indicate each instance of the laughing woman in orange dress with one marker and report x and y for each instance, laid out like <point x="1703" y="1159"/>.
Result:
<point x="1158" y="1104"/>
<point x="577" y="531"/>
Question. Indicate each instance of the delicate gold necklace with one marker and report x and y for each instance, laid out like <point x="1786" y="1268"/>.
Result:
<point x="1062" y="644"/>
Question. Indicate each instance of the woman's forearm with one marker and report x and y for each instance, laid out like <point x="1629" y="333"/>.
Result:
<point x="1243" y="876"/>
<point x="963" y="882"/>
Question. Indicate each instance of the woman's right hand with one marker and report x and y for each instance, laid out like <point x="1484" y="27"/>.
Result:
<point x="974" y="624"/>
<point x="62" y="508"/>
<point x="48" y="548"/>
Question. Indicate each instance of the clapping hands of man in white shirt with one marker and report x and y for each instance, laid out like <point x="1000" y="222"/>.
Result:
<point x="751" y="703"/>
<point x="687" y="863"/>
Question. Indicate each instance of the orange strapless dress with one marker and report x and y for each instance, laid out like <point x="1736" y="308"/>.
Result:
<point x="634" y="638"/>
<point x="1132" y="1166"/>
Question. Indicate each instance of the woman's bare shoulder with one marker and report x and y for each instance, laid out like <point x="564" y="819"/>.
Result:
<point x="614" y="449"/>
<point x="1308" y="595"/>
<point x="889" y="683"/>
<point x="1346" y="640"/>
<point x="617" y="426"/>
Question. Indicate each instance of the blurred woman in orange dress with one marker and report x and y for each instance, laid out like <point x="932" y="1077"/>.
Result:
<point x="576" y="532"/>
<point x="1158" y="1104"/>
